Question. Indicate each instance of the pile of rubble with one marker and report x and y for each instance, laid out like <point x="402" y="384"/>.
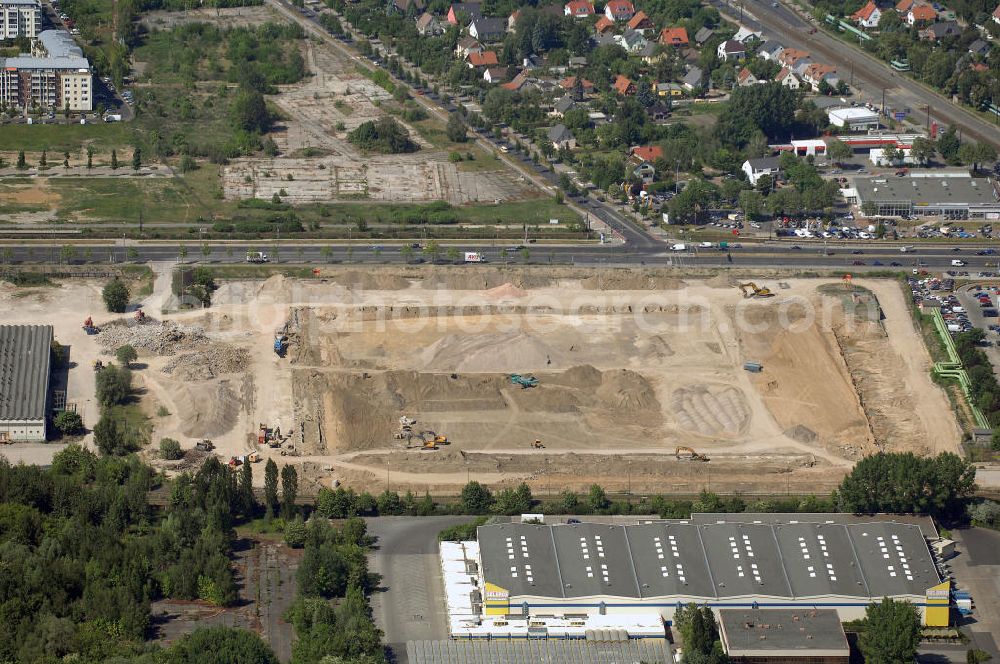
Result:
<point x="160" y="338"/>
<point x="208" y="362"/>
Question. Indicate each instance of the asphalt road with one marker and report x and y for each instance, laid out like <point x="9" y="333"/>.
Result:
<point x="412" y="605"/>
<point x="870" y="75"/>
<point x="772" y="254"/>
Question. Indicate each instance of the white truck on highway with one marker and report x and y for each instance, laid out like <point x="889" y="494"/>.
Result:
<point x="257" y="257"/>
<point x="474" y="257"/>
<point x="680" y="246"/>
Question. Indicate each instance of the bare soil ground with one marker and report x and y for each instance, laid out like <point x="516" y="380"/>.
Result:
<point x="337" y="95"/>
<point x="631" y="364"/>
<point x="227" y="17"/>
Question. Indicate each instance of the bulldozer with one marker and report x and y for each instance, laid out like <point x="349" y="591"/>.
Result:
<point x="691" y="454"/>
<point x="537" y="445"/>
<point x="429" y="445"/>
<point x="755" y="290"/>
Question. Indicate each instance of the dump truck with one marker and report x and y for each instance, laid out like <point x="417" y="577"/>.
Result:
<point x="204" y="445"/>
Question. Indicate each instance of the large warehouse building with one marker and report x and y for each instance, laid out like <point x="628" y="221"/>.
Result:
<point x="619" y="576"/>
<point x="951" y="195"/>
<point x="25" y="352"/>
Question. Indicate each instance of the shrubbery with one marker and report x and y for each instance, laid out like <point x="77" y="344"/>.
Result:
<point x="384" y="135"/>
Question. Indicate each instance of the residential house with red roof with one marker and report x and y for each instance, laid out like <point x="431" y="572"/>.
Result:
<point x="996" y="14"/>
<point x="647" y="152"/>
<point x="482" y="59"/>
<point x="640" y="22"/>
<point x="788" y="79"/>
<point x="460" y="10"/>
<point x="578" y="9"/>
<point x="868" y="16"/>
<point x="674" y="37"/>
<point x="623" y="86"/>
<point x="619" y="10"/>
<point x="903" y="7"/>
<point x="921" y="14"/>
<point x="745" y="78"/>
<point x="603" y="25"/>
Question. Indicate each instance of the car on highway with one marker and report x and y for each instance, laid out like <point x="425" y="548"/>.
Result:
<point x="895" y="264"/>
<point x="858" y="263"/>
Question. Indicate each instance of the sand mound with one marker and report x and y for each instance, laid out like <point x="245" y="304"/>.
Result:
<point x="802" y="434"/>
<point x="507" y="291"/>
<point x="484" y="278"/>
<point x="629" y="279"/>
<point x="722" y="280"/>
<point x="164" y="338"/>
<point x="377" y="280"/>
<point x="210" y="409"/>
<point x="581" y="376"/>
<point x="491" y="353"/>
<point x="710" y="410"/>
<point x="625" y="390"/>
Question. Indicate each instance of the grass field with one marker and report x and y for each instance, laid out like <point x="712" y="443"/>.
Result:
<point x="71" y="138"/>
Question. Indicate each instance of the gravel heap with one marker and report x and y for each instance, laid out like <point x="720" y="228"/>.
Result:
<point x="160" y="338"/>
<point x="208" y="362"/>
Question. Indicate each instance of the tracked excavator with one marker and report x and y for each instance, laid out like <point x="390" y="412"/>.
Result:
<point x="690" y="455"/>
<point x="750" y="289"/>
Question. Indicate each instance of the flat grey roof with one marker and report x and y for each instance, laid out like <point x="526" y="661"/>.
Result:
<point x="928" y="190"/>
<point x="549" y="651"/>
<point x="863" y="559"/>
<point x="30" y="62"/>
<point x="24" y="371"/>
<point x="925" y="523"/>
<point x="773" y="632"/>
<point x="59" y="44"/>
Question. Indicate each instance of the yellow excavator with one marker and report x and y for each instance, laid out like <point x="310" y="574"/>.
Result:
<point x="750" y="289"/>
<point x="691" y="455"/>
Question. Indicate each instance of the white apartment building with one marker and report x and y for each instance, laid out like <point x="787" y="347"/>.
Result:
<point x="20" y="18"/>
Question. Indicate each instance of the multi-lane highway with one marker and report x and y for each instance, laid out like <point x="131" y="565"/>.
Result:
<point x="846" y="257"/>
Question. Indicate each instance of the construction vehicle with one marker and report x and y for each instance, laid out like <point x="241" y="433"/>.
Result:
<point x="98" y="365"/>
<point x="235" y="461"/>
<point x="253" y="457"/>
<point x="204" y="445"/>
<point x="523" y="381"/>
<point x="429" y="445"/>
<point x="280" y="345"/>
<point x="755" y="290"/>
<point x="441" y="440"/>
<point x="89" y="327"/>
<point x="691" y="454"/>
<point x="538" y="445"/>
<point x="140" y="316"/>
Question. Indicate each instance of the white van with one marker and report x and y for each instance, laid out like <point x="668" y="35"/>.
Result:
<point x="957" y="262"/>
<point x="678" y="247"/>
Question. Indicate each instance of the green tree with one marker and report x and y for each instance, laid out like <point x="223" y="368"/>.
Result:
<point x="388" y="503"/>
<point x="289" y="490"/>
<point x="182" y="252"/>
<point x="769" y="108"/>
<point x="114" y="385"/>
<point x="90" y="157"/>
<point x="513" y="501"/>
<point x="271" y="488"/>
<point x="839" y="151"/>
<point x="112" y="437"/>
<point x="114" y="160"/>
<point x="66" y="253"/>
<point x="249" y="112"/>
<point x="453" y="254"/>
<point x="21" y="163"/>
<point x="68" y="422"/>
<point x="136" y="159"/>
<point x="43" y="162"/>
<point x="476" y="498"/>
<point x="922" y="150"/>
<point x="170" y="449"/>
<point x="220" y="645"/>
<point x="751" y="202"/>
<point x="126" y="355"/>
<point x="248" y="503"/>
<point x="456" y="129"/>
<point x="892" y="632"/>
<point x="948" y="145"/>
<point x="597" y="499"/>
<point x="296" y="533"/>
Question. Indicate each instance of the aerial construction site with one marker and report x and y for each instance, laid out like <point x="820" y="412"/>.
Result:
<point x="421" y="378"/>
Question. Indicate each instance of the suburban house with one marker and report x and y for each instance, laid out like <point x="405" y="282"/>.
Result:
<point x="903" y="7"/>
<point x="623" y="86"/>
<point x="669" y="89"/>
<point x="619" y="10"/>
<point x="868" y="16"/>
<point x="640" y="22"/>
<point x="745" y="35"/>
<point x="788" y="78"/>
<point x="512" y="20"/>
<point x="467" y="45"/>
<point x="731" y="50"/>
<point x="695" y="78"/>
<point x="703" y="35"/>
<point x="561" y="137"/>
<point x="604" y="24"/>
<point x="515" y="84"/>
<point x="674" y="37"/>
<point x="482" y="59"/>
<point x="745" y="78"/>
<point x="429" y="26"/>
<point x="562" y="106"/>
<point x="578" y="9"/>
<point x="486" y="28"/>
<point x="790" y="56"/>
<point x="459" y="11"/>
<point x="647" y="152"/>
<point x="644" y="171"/>
<point x="494" y="74"/>
<point x="815" y="74"/>
<point x="939" y="31"/>
<point x="996" y="14"/>
<point x="632" y="41"/>
<point x="577" y="61"/>
<point x="921" y="14"/>
<point x="757" y="168"/>
<point x="658" y="112"/>
<point x="770" y="50"/>
<point x="979" y="47"/>
<point x="569" y="83"/>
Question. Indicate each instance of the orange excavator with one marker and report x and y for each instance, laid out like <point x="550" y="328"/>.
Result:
<point x="691" y="455"/>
